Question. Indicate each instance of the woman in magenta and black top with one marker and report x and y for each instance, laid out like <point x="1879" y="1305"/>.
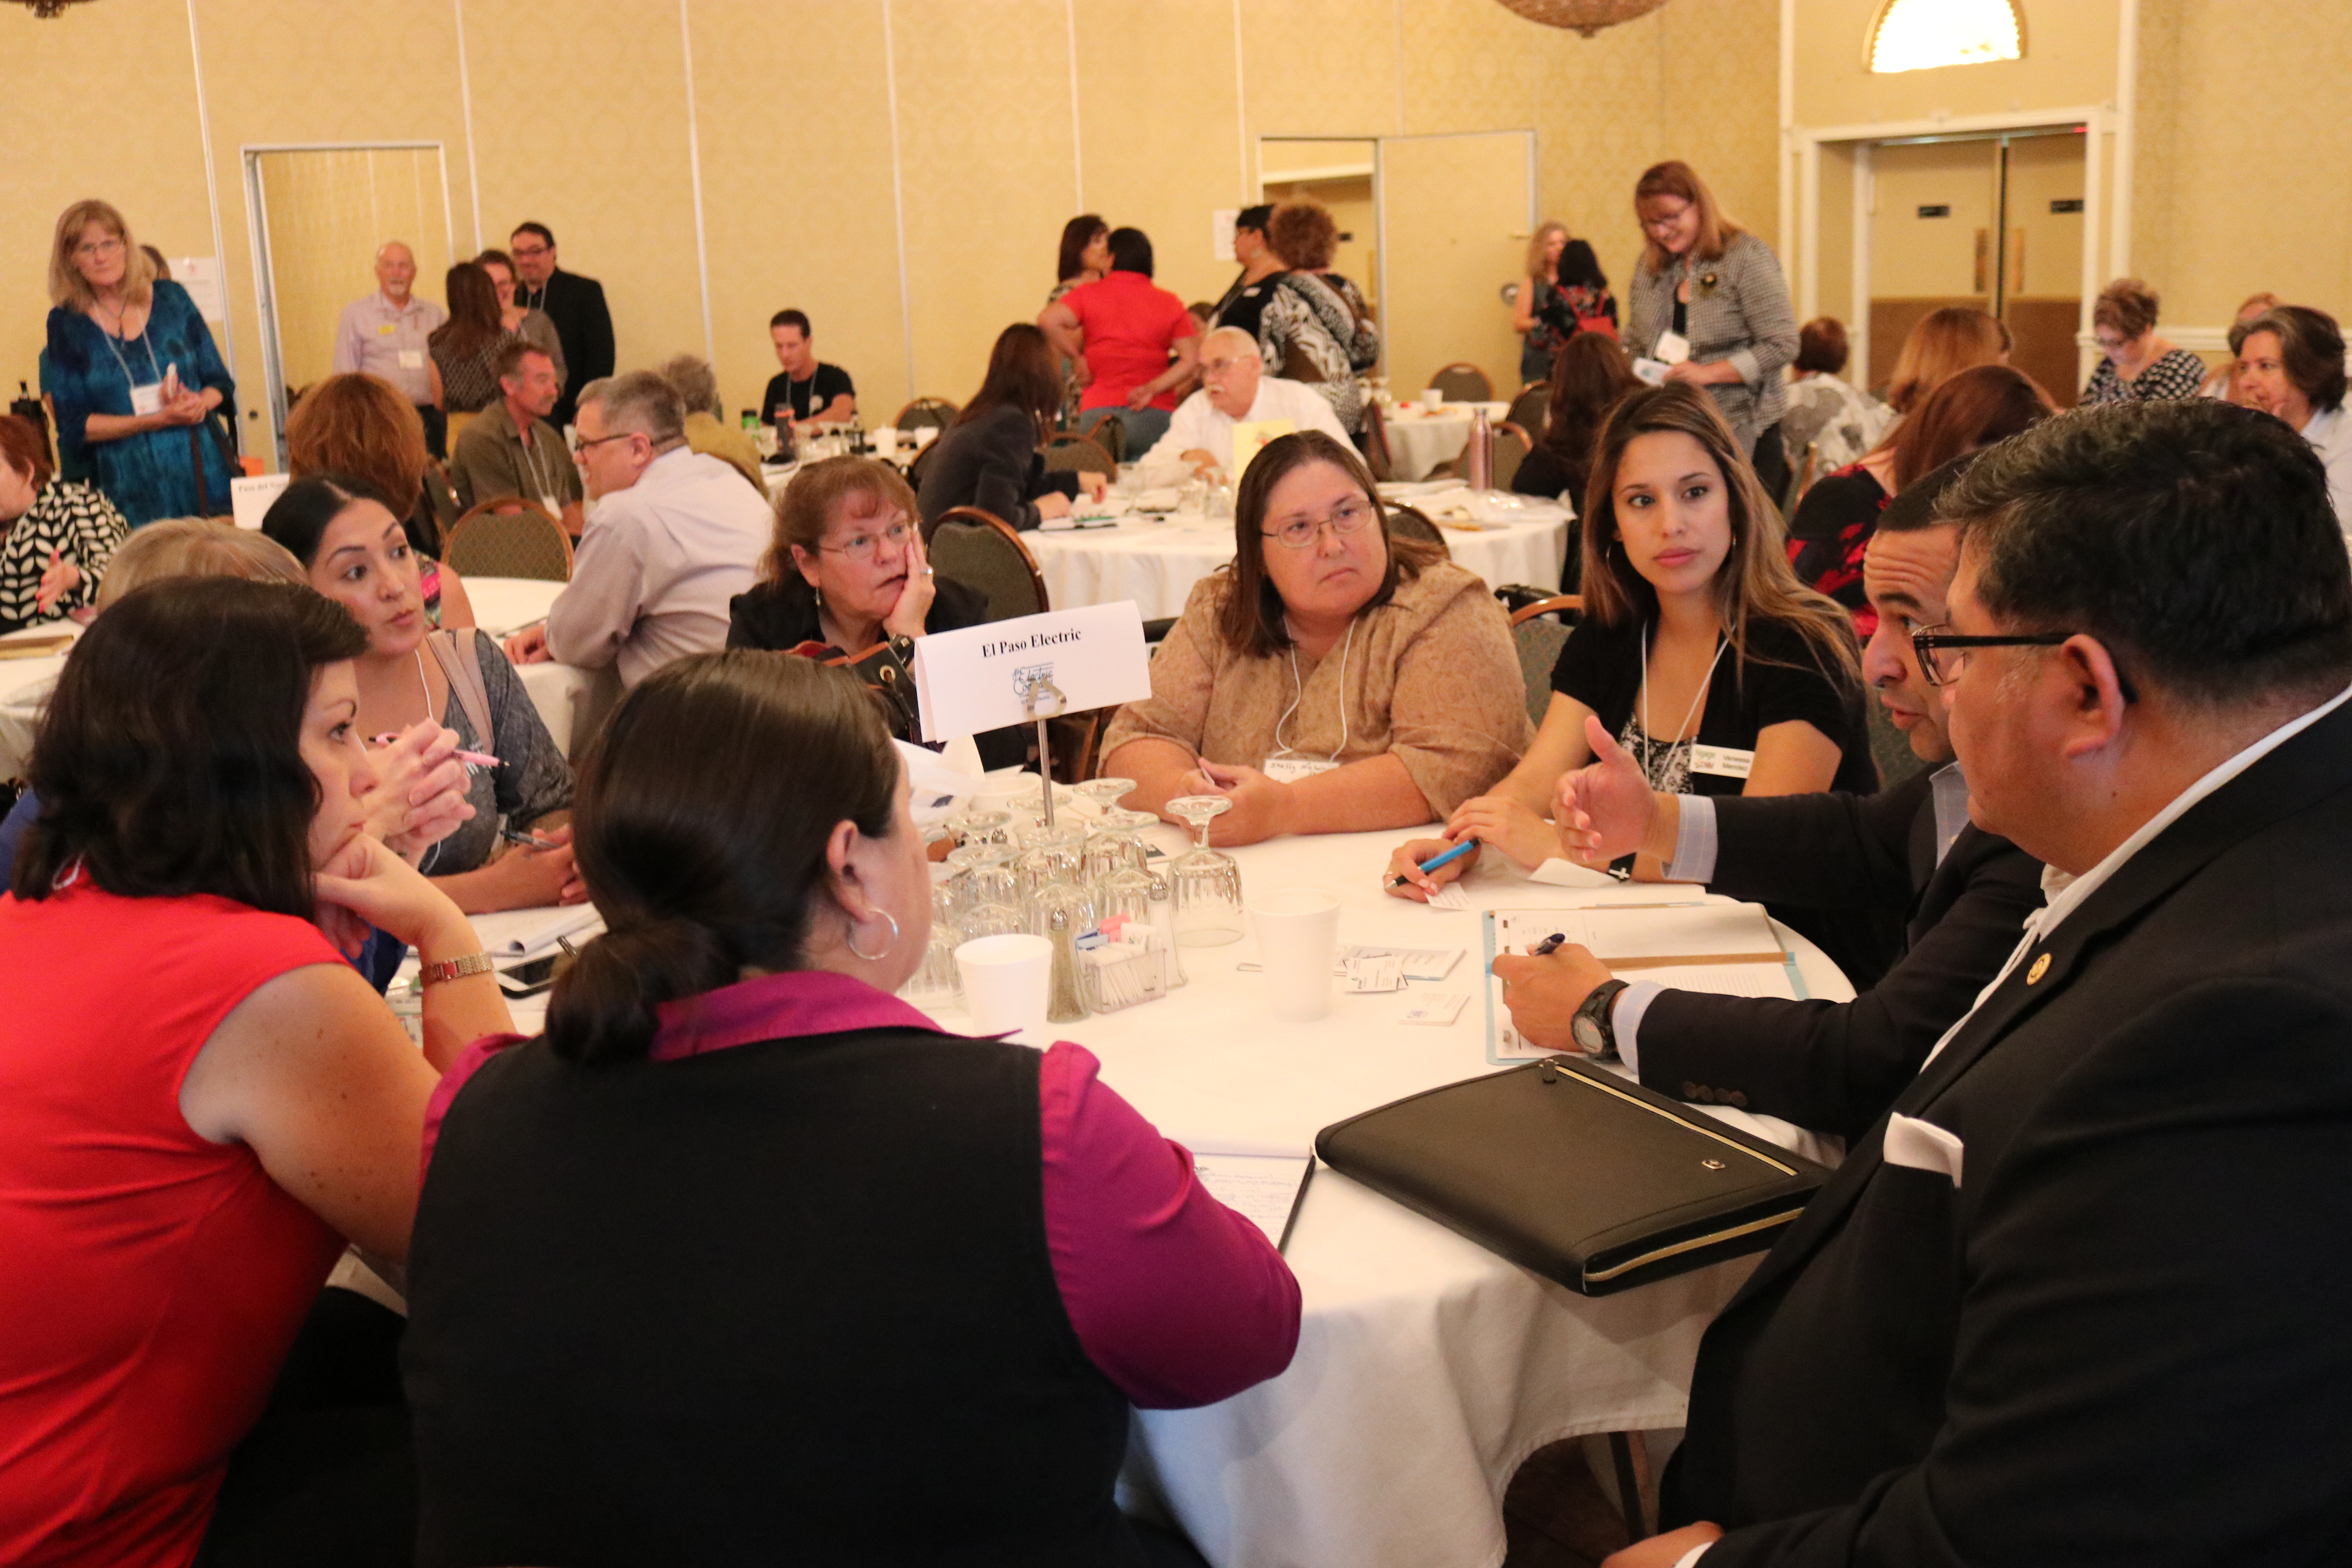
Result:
<point x="745" y="1259"/>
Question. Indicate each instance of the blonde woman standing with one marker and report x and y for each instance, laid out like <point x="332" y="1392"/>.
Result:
<point x="1565" y="292"/>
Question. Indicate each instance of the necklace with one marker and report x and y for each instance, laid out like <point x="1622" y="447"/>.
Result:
<point x="1677" y="741"/>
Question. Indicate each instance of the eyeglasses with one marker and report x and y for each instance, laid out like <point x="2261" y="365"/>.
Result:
<point x="1943" y="655"/>
<point x="531" y="253"/>
<point x="1665" y="223"/>
<point x="861" y="547"/>
<point x="582" y="443"/>
<point x="109" y="246"/>
<point x="1300" y="531"/>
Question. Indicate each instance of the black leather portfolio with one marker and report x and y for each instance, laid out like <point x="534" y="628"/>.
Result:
<point x="1577" y="1174"/>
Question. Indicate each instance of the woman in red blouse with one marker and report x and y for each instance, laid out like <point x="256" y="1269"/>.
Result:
<point x="200" y="1100"/>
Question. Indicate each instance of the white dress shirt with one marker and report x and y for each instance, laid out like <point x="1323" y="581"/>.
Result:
<point x="1198" y="426"/>
<point x="2329" y="431"/>
<point x="656" y="566"/>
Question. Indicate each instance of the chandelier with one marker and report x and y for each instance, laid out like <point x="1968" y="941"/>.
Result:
<point x="47" y="7"/>
<point x="1586" y="16"/>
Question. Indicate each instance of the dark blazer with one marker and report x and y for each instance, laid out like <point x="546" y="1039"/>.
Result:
<point x="584" y="327"/>
<point x="1836" y="1065"/>
<point x="992" y="463"/>
<point x="2119" y="1337"/>
<point x="782" y="614"/>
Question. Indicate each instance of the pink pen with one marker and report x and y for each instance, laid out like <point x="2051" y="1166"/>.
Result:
<point x="478" y="758"/>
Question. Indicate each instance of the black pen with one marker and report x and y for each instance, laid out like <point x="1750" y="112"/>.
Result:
<point x="528" y="840"/>
<point x="1549" y="946"/>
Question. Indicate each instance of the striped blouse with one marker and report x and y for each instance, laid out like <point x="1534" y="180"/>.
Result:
<point x="81" y="525"/>
<point x="1739" y="312"/>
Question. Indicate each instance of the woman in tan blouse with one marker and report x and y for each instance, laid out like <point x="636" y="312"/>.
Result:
<point x="1333" y="678"/>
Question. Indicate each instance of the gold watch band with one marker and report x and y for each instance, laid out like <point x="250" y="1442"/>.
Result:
<point x="454" y="968"/>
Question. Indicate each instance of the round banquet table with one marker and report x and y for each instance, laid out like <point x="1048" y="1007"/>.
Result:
<point x="1428" y="1369"/>
<point x="1420" y="439"/>
<point x="1156" y="560"/>
<point x="26" y="679"/>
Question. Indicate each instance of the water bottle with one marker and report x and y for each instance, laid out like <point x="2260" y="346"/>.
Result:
<point x="1482" y="451"/>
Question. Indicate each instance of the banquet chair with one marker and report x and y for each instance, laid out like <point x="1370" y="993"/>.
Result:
<point x="980" y="550"/>
<point x="1463" y="381"/>
<point x="1539" y="631"/>
<point x="1412" y="522"/>
<point x="936" y="412"/>
<point x="1079" y="454"/>
<point x="1376" y="441"/>
<point x="1511" y="448"/>
<point x="1530" y="408"/>
<point x="508" y="536"/>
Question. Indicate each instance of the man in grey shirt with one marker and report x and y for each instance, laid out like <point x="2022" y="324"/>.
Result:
<point x="673" y="537"/>
<point x="384" y="336"/>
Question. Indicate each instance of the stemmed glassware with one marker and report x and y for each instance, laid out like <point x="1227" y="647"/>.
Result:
<point x="990" y="900"/>
<point x="1208" y="881"/>
<point x="1105" y="793"/>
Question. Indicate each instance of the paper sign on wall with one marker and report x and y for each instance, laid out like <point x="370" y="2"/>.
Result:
<point x="1221" y="232"/>
<point x="248" y="499"/>
<point x="974" y="680"/>
<point x="1250" y="437"/>
<point x="200" y="277"/>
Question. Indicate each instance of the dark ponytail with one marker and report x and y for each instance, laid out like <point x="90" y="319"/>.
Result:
<point x="700" y="823"/>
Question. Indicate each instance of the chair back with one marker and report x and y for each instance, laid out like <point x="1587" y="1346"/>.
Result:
<point x="1412" y="522"/>
<point x="1531" y="410"/>
<point x="1463" y="381"/>
<point x="1376" y="441"/>
<point x="1068" y="454"/>
<point x="982" y="551"/>
<point x="1511" y="448"/>
<point x="1539" y="632"/>
<point x="455" y="427"/>
<point x="936" y="412"/>
<point x="508" y="536"/>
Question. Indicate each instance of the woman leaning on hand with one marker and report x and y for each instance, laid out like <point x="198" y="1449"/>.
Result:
<point x="846" y="575"/>
<point x="200" y="1100"/>
<point x="1335" y="677"/>
<point x="991" y="454"/>
<point x="56" y="538"/>
<point x="134" y="373"/>
<point x="1720" y="290"/>
<point x="606" y="1197"/>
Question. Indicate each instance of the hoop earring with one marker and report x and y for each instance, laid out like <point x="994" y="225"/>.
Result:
<point x="850" y="940"/>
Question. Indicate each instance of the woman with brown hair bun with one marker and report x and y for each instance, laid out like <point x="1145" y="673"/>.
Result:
<point x="2135" y="364"/>
<point x="810" y="1243"/>
<point x="356" y="425"/>
<point x="1944" y="344"/>
<point x="1335" y="677"/>
<point x="992" y="455"/>
<point x="465" y="346"/>
<point x="1978" y="406"/>
<point x="1700" y="651"/>
<point x="1307" y="236"/>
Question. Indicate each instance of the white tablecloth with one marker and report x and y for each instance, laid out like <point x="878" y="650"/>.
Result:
<point x="1419" y="441"/>
<point x="1428" y="1368"/>
<point x="1155" y="562"/>
<point x="502" y="604"/>
<point x="24" y="686"/>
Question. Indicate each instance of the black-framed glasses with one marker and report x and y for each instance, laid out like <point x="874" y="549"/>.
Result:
<point x="582" y="443"/>
<point x="1299" y="533"/>
<point x="1943" y="654"/>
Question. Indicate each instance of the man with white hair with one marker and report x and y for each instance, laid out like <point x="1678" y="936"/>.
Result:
<point x="1234" y="390"/>
<point x="675" y="536"/>
<point x="384" y="336"/>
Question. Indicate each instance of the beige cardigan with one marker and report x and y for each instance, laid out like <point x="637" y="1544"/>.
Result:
<point x="1431" y="677"/>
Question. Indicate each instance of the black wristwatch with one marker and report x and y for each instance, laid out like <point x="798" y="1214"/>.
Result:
<point x="1594" y="1030"/>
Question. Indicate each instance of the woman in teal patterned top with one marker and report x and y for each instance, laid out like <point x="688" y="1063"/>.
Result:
<point x="134" y="373"/>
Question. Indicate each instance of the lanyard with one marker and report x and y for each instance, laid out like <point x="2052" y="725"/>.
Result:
<point x="539" y="476"/>
<point x="1697" y="697"/>
<point x="1298" y="693"/>
<point x="113" y="346"/>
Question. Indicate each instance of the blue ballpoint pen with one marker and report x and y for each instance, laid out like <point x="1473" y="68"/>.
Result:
<point x="1426" y="867"/>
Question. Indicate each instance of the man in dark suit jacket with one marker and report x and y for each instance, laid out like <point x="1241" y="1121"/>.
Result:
<point x="2078" y="1299"/>
<point x="1908" y="852"/>
<point x="575" y="304"/>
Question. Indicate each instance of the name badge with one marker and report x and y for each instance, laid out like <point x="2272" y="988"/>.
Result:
<point x="147" y="399"/>
<point x="1290" y="770"/>
<point x="383" y="328"/>
<point x="412" y="359"/>
<point x="1723" y="761"/>
<point x="1673" y="347"/>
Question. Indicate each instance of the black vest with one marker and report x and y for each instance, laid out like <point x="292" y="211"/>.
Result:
<point x="788" y="1303"/>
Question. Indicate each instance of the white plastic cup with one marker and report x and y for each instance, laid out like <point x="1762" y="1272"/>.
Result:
<point x="1432" y="398"/>
<point x="1006" y="980"/>
<point x="1297" y="944"/>
<point x="885" y="442"/>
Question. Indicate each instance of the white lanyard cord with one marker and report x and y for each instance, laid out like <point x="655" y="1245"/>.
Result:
<point x="1698" y="697"/>
<point x="1298" y="692"/>
<point x="112" y="345"/>
<point x="538" y="476"/>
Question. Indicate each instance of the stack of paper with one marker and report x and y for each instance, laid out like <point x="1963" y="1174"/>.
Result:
<point x="1729" y="948"/>
<point x="525" y="934"/>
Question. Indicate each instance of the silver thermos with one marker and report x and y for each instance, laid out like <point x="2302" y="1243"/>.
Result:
<point x="1482" y="450"/>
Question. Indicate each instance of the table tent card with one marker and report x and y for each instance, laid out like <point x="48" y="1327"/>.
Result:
<point x="1250" y="439"/>
<point x="984" y="676"/>
<point x="249" y="496"/>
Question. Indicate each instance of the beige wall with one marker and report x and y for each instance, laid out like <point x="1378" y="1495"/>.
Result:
<point x="2069" y="59"/>
<point x="1009" y="117"/>
<point x="330" y="211"/>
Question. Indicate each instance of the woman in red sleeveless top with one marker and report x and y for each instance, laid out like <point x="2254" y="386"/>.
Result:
<point x="199" y="1099"/>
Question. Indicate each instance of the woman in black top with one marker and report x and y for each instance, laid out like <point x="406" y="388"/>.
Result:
<point x="1588" y="377"/>
<point x="846" y="575"/>
<point x="465" y="346"/>
<point x="1700" y="651"/>
<point x="991" y="456"/>
<point x="1565" y="287"/>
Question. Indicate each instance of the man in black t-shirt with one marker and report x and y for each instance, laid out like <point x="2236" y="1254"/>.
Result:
<point x="805" y="392"/>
